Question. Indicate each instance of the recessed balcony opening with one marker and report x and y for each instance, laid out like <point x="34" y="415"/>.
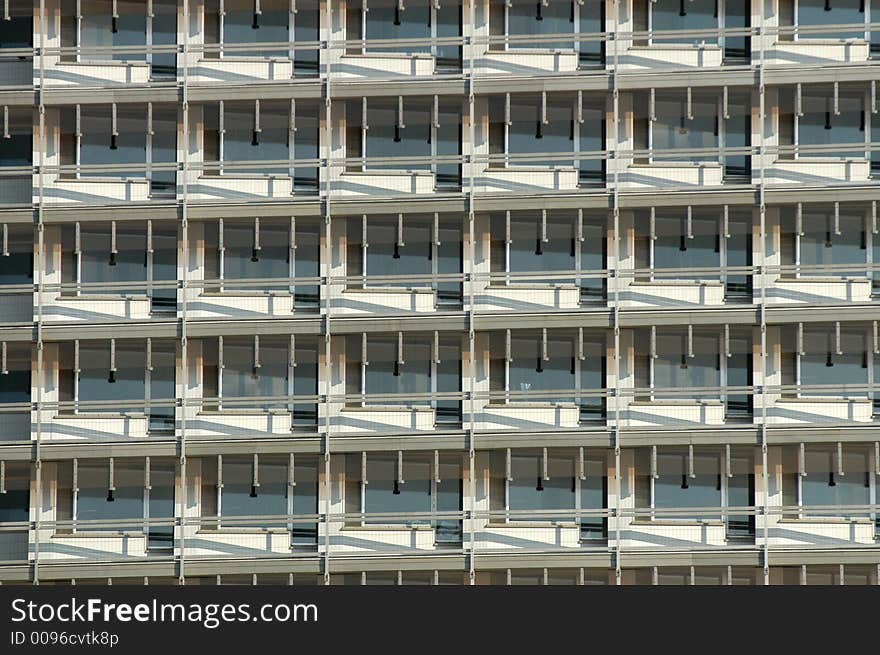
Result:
<point x="706" y="479"/>
<point x="401" y="27"/>
<point x="83" y="506"/>
<point x="693" y="245"/>
<point x="260" y="493"/>
<point x="260" y="376"/>
<point x="524" y="482"/>
<point x="98" y="259"/>
<point x="379" y="373"/>
<point x="117" y="379"/>
<point x="402" y="489"/>
<point x="410" y="252"/>
<point x="537" y="26"/>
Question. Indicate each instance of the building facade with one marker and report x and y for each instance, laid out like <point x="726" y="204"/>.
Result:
<point x="439" y="292"/>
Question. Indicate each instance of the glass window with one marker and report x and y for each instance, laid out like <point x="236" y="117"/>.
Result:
<point x="535" y="19"/>
<point x="15" y="503"/>
<point x="812" y="13"/>
<point x="305" y="146"/>
<point x="824" y="486"/>
<point x="674" y="248"/>
<point x="162" y="483"/>
<point x="17" y="149"/>
<point x="821" y="364"/>
<point x="305" y="26"/>
<point x="100" y="30"/>
<point x="530" y="371"/>
<point x="305" y="383"/>
<point x="18" y="31"/>
<point x="386" y="136"/>
<point x="684" y="15"/>
<point x="676" y="488"/>
<point x="18" y="266"/>
<point x="592" y="21"/>
<point x="98" y="146"/>
<point x="305" y="500"/>
<point x="386" y="494"/>
<point x="529" y="134"/>
<point x="530" y="490"/>
<point x="15" y="382"/>
<point x="96" y="502"/>
<point x="162" y="389"/>
<point x="240" y="498"/>
<point x="98" y="383"/>
<point x="386" y="22"/>
<point x="98" y="264"/>
<point x="674" y="129"/>
<point x="241" y="144"/>
<point x="387" y="256"/>
<point x="243" y="261"/>
<point x="386" y="375"/>
<point x="241" y="26"/>
<point x="676" y="367"/>
<point x="242" y="379"/>
<point x="821" y="126"/>
<point x="530" y="251"/>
